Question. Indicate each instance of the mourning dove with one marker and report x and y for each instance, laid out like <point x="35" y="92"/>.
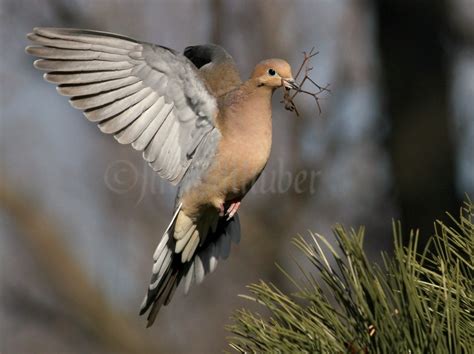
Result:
<point x="197" y="124"/>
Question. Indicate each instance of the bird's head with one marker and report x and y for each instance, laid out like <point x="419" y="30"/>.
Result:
<point x="274" y="73"/>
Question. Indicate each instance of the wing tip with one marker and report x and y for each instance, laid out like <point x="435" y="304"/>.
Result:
<point x="28" y="49"/>
<point x="46" y="30"/>
<point x="106" y="129"/>
<point x="41" y="30"/>
<point x="143" y="305"/>
<point x="121" y="140"/>
<point x="31" y="36"/>
<point x="76" y="104"/>
<point x="34" y="50"/>
<point x="38" y="64"/>
<point x="62" y="90"/>
<point x="47" y="77"/>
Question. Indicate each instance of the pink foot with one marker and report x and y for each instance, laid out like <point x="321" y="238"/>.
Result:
<point x="221" y="209"/>
<point x="232" y="210"/>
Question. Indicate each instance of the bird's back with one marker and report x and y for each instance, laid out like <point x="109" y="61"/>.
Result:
<point x="217" y="67"/>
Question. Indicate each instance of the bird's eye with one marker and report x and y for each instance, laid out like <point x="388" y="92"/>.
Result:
<point x="271" y="72"/>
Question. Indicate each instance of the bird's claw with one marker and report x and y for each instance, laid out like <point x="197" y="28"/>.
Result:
<point x="232" y="210"/>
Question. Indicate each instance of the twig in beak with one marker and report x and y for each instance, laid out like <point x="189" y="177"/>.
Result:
<point x="289" y="104"/>
<point x="288" y="99"/>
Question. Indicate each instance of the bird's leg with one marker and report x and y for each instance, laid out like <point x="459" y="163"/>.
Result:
<point x="232" y="209"/>
<point x="219" y="204"/>
<point x="221" y="209"/>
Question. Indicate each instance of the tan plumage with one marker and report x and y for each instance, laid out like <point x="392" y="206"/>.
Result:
<point x="197" y="124"/>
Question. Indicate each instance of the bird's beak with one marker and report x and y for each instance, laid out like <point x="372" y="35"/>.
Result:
<point x="290" y="84"/>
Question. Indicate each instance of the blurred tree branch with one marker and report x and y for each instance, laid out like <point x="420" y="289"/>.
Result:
<point x="216" y="26"/>
<point x="415" y="68"/>
<point x="88" y="305"/>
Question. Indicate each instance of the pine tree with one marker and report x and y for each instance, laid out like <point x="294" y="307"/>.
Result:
<point x="416" y="301"/>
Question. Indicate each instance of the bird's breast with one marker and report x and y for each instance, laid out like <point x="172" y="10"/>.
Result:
<point x="242" y="153"/>
<point x="240" y="159"/>
<point x="241" y="156"/>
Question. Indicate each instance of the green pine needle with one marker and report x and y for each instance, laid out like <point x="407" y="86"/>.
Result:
<point x="415" y="302"/>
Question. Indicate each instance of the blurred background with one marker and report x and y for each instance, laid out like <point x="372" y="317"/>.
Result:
<point x="80" y="215"/>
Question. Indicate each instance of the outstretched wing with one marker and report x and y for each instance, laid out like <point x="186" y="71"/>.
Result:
<point x="145" y="95"/>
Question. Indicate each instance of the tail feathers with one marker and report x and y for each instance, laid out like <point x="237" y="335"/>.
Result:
<point x="164" y="296"/>
<point x="163" y="278"/>
<point x="217" y="246"/>
<point x="202" y="255"/>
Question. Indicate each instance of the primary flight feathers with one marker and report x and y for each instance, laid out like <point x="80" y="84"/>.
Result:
<point x="146" y="95"/>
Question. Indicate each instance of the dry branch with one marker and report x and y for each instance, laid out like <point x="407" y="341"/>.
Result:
<point x="288" y="97"/>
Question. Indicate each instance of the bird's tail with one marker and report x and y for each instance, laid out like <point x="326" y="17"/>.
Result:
<point x="164" y="279"/>
<point x="190" y="257"/>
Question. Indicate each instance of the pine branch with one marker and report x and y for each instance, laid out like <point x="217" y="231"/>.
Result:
<point x="416" y="301"/>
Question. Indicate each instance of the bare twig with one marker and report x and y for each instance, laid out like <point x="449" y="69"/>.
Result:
<point x="288" y="99"/>
<point x="307" y="58"/>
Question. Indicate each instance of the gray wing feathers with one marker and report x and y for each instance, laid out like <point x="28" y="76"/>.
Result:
<point x="169" y="154"/>
<point x="152" y="151"/>
<point x="74" y="54"/>
<point x="146" y="95"/>
<point x="95" y="88"/>
<point x="137" y="128"/>
<point x="85" y="78"/>
<point x="203" y="156"/>
<point x="159" y="111"/>
<point x="88" y="37"/>
<point x="67" y="44"/>
<point x="80" y="65"/>
<point x="118" y="106"/>
<point x="114" y="96"/>
<point x="130" y="115"/>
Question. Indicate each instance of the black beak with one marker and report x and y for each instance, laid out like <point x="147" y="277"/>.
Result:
<point x="290" y="84"/>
